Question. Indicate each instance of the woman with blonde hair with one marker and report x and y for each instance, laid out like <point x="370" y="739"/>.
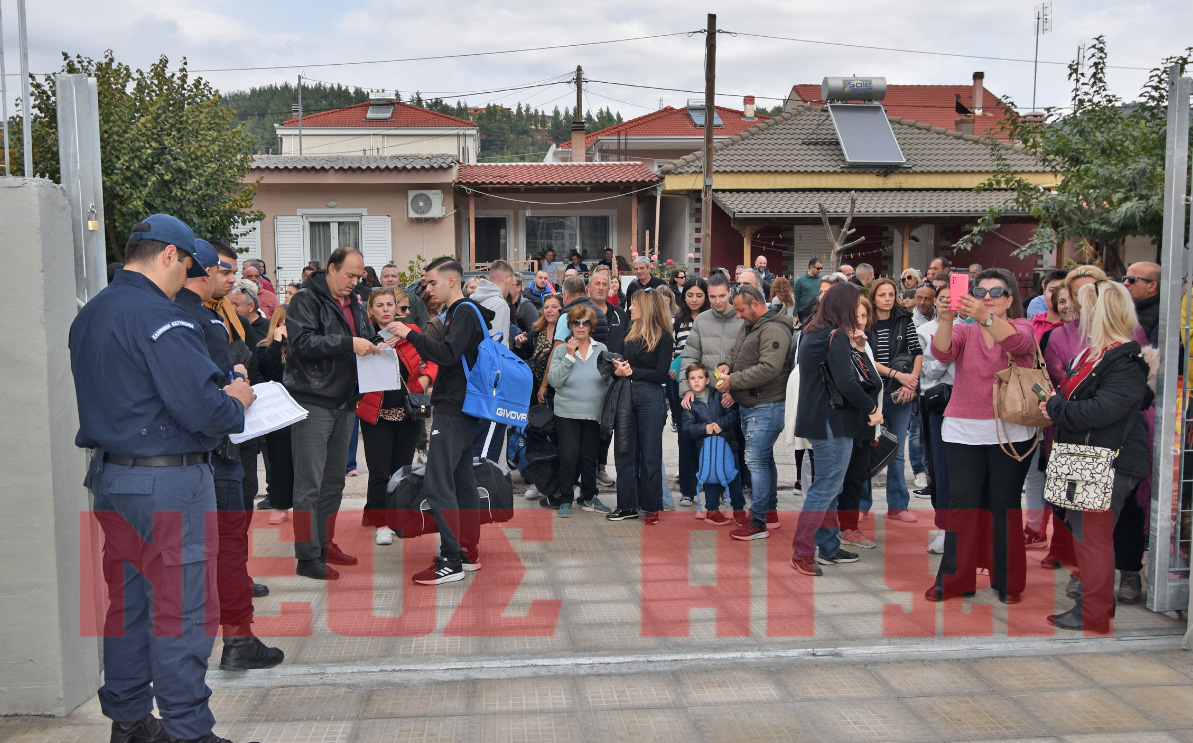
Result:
<point x="271" y="361"/>
<point x="645" y="362"/>
<point x="1099" y="402"/>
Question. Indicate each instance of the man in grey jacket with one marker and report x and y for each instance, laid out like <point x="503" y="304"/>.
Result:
<point x="491" y="294"/>
<point x="709" y="343"/>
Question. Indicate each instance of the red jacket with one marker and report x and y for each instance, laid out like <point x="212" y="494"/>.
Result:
<point x="369" y="407"/>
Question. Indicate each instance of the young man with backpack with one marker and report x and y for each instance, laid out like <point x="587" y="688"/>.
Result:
<point x="449" y="483"/>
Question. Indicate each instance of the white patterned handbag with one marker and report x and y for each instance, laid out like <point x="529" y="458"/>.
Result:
<point x="1080" y="477"/>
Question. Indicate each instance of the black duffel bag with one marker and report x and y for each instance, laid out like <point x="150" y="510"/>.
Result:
<point x="496" y="491"/>
<point x="409" y="514"/>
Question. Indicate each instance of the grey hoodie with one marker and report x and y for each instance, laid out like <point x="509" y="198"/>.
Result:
<point x="711" y="340"/>
<point x="490" y="297"/>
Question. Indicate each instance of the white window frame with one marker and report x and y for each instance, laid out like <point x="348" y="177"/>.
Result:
<point x="340" y="214"/>
<point x="544" y="212"/>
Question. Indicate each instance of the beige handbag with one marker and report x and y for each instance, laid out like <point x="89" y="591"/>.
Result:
<point x="1016" y="402"/>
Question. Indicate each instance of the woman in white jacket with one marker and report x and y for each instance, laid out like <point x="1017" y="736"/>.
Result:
<point x="935" y="373"/>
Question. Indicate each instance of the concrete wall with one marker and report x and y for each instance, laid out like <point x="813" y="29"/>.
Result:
<point x="46" y="666"/>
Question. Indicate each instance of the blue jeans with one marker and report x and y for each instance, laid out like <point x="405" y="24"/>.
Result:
<point x="915" y="444"/>
<point x="898" y="417"/>
<point x="817" y="525"/>
<point x="761" y="426"/>
<point x="353" y="444"/>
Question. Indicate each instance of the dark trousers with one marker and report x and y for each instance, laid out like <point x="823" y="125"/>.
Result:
<point x="578" y="442"/>
<point x="1093" y="540"/>
<point x="689" y="462"/>
<point x="389" y="446"/>
<point x="1130" y="539"/>
<point x="319" y="445"/>
<point x="232" y="573"/>
<point x="603" y="450"/>
<point x="714" y="490"/>
<point x="281" y="469"/>
<point x="248" y="462"/>
<point x="640" y="458"/>
<point x="450" y="485"/>
<point x="985" y="485"/>
<point x="799" y="466"/>
<point x="489" y="438"/>
<point x="142" y="663"/>
<point x="856" y="477"/>
<point x="938" y="466"/>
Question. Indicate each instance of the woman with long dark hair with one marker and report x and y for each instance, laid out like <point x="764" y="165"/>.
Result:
<point x="833" y="411"/>
<point x="693" y="301"/>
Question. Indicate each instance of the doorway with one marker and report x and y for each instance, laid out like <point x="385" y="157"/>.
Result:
<point x="492" y="234"/>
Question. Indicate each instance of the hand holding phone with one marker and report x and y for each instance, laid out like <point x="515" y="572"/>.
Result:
<point x="1041" y="392"/>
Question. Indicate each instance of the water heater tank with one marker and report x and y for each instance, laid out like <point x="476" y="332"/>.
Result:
<point x="853" y="89"/>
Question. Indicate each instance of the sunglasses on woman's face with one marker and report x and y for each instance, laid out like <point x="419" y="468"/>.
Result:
<point x="680" y="277"/>
<point x="995" y="292"/>
<point x="581" y="323"/>
<point x="404" y="308"/>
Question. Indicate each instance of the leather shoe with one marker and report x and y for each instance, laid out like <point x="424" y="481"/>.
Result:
<point x="248" y="653"/>
<point x="1073" y="619"/>
<point x="146" y="730"/>
<point x="336" y="556"/>
<point x="209" y="738"/>
<point x="316" y="569"/>
<point x="1008" y="597"/>
<point x="936" y="594"/>
<point x="260" y="590"/>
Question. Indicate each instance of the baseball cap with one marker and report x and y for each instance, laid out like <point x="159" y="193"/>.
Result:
<point x="206" y="257"/>
<point x="172" y="231"/>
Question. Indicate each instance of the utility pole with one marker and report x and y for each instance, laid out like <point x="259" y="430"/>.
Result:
<point x="1043" y="26"/>
<point x="578" y="128"/>
<point x="26" y="132"/>
<point x="299" y="116"/>
<point x="710" y="97"/>
<point x="4" y="103"/>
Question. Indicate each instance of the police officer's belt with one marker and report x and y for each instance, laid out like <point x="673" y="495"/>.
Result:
<point x="169" y="460"/>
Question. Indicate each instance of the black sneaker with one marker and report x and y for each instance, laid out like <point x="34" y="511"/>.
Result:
<point x="146" y="730"/>
<point x="840" y="556"/>
<point x="248" y="654"/>
<point x="209" y="738"/>
<point x="441" y="571"/>
<point x="622" y="514"/>
<point x="687" y="501"/>
<point x="806" y="565"/>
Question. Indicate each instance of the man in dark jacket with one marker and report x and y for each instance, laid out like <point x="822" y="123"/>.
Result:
<point x="574" y="293"/>
<point x="755" y="374"/>
<point x="523" y="313"/>
<point x="538" y="289"/>
<point x="449" y="484"/>
<point x="326" y="329"/>
<point x="1143" y="281"/>
<point x="644" y="279"/>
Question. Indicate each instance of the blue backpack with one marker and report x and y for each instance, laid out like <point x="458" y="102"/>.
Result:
<point x="499" y="383"/>
<point x="717" y="463"/>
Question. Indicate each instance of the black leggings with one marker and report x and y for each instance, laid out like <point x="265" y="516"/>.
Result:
<point x="856" y="477"/>
<point x="389" y="446"/>
<point x="578" y="443"/>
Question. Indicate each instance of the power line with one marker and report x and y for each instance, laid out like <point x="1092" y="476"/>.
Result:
<point x="549" y="203"/>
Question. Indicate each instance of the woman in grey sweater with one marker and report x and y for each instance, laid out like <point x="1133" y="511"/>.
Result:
<point x="579" y="398"/>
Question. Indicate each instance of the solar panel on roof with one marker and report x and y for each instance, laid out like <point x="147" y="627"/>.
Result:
<point x="697" y="114"/>
<point x="865" y="134"/>
<point x="379" y="113"/>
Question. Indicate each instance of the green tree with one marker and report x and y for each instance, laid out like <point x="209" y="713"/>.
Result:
<point x="166" y="145"/>
<point x="1108" y="157"/>
<point x="260" y="108"/>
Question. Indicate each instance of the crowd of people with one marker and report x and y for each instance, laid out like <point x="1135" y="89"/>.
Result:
<point x="843" y="366"/>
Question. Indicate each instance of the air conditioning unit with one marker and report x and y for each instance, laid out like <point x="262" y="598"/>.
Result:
<point x="424" y="204"/>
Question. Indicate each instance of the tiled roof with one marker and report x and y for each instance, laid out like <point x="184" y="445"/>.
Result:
<point x="930" y="104"/>
<point x="780" y="145"/>
<point x="671" y="122"/>
<point x="404" y="115"/>
<point x="555" y="174"/>
<point x="353" y="162"/>
<point x="885" y="203"/>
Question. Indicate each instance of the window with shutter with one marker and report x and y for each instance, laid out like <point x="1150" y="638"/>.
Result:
<point x="376" y="241"/>
<point x="288" y="245"/>
<point x="250" y="243"/>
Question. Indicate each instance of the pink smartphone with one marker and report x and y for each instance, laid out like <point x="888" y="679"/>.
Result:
<point x="958" y="285"/>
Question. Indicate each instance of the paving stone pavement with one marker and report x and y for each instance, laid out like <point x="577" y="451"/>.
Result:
<point x="587" y="630"/>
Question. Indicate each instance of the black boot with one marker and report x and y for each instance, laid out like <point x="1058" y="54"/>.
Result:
<point x="260" y="590"/>
<point x="146" y="730"/>
<point x="316" y="569"/>
<point x="245" y="652"/>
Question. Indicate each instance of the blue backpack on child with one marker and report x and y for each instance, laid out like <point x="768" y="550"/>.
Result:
<point x="499" y="383"/>
<point x="717" y="463"/>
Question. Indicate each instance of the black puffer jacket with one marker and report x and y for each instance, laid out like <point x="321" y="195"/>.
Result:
<point x="1108" y="404"/>
<point x="618" y="414"/>
<point x="320" y="364"/>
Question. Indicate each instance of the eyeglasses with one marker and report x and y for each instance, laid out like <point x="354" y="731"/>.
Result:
<point x="1128" y="280"/>
<point x="998" y="291"/>
<point x="680" y="277"/>
<point x="404" y="308"/>
<point x="581" y="323"/>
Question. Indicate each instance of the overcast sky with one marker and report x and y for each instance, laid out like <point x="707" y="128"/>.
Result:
<point x="235" y="33"/>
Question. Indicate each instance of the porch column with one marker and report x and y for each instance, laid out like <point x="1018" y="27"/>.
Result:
<point x="633" y="226"/>
<point x="747" y="235"/>
<point x="471" y="228"/>
<point x="906" y="247"/>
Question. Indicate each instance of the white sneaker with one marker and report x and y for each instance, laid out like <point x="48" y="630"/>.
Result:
<point x="383" y="535"/>
<point x="937" y="546"/>
<point x="604" y="478"/>
<point x="921" y="481"/>
<point x="532" y="492"/>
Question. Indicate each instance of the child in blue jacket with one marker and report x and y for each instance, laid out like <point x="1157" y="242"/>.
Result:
<point x="713" y="425"/>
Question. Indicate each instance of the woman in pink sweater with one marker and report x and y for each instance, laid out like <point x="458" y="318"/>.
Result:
<point x="982" y="478"/>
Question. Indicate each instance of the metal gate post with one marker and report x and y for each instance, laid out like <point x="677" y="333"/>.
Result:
<point x="82" y="178"/>
<point x="1165" y="593"/>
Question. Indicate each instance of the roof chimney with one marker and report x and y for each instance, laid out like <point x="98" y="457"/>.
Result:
<point x="748" y="108"/>
<point x="979" y="95"/>
<point x="964" y="123"/>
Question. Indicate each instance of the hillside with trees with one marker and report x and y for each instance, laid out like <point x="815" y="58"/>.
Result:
<point x="521" y="133"/>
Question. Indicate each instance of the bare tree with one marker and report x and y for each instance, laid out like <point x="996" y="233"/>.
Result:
<point x="838" y="239"/>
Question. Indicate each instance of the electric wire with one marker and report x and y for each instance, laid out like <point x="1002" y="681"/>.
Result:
<point x="471" y="190"/>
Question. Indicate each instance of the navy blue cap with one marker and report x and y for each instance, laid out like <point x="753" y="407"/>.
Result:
<point x="173" y="231"/>
<point x="206" y="257"/>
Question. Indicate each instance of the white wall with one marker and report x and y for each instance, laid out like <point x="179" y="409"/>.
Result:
<point x="324" y="141"/>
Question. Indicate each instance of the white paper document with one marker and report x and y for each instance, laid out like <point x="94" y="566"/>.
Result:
<point x="273" y="410"/>
<point x="378" y="372"/>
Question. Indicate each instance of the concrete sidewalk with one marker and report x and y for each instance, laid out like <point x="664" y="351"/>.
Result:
<point x="588" y="630"/>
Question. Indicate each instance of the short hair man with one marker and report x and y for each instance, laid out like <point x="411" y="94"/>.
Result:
<point x="244" y="301"/>
<point x="845" y="270"/>
<point x="748" y="278"/>
<point x="577" y="263"/>
<point x="939" y="265"/>
<point x="267" y="300"/>
<point x="389" y="276"/>
<point x="765" y="276"/>
<point x="306" y="272"/>
<point x="449" y="484"/>
<point x="864" y="275"/>
<point x="539" y="288"/>
<point x="940" y="282"/>
<point x="1143" y="281"/>
<point x="608" y="260"/>
<point x="154" y="435"/>
<point x="618" y="324"/>
<point x="807" y="287"/>
<point x="925" y="304"/>
<point x="523" y="314"/>
<point x="755" y="375"/>
<point x="570" y="272"/>
<point x="550" y="265"/>
<point x="974" y="270"/>
<point x="326" y="329"/>
<point x="643" y="280"/>
<point x="492" y="294"/>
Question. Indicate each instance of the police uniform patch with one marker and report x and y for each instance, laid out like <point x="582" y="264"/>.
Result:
<point x="174" y="324"/>
<point x="223" y="327"/>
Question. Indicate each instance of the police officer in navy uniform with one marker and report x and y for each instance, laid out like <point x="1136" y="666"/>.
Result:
<point x="242" y="650"/>
<point x="151" y="408"/>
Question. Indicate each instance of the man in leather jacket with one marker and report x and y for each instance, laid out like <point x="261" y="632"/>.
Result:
<point x="326" y="328"/>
